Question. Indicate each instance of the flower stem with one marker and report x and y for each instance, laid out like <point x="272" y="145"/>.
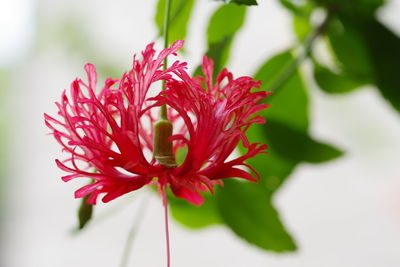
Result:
<point x="165" y="204"/>
<point x="167" y="15"/>
<point x="291" y="68"/>
<point x="163" y="111"/>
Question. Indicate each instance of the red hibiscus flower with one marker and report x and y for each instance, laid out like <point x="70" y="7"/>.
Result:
<point x="114" y="136"/>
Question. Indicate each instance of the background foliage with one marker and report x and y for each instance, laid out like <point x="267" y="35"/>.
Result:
<point x="364" y="51"/>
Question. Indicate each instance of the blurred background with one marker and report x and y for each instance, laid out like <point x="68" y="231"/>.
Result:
<point x="345" y="212"/>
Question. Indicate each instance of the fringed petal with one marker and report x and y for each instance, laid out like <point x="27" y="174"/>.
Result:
<point x="191" y="196"/>
<point x="104" y="129"/>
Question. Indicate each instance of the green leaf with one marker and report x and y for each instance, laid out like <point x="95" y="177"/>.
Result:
<point x="290" y="6"/>
<point x="287" y="148"/>
<point x="246" y="208"/>
<point x="335" y="83"/>
<point x="85" y="213"/>
<point x="253" y="217"/>
<point x="242" y="2"/>
<point x="384" y="49"/>
<point x="370" y="52"/>
<point x="296" y="145"/>
<point x="299" y="8"/>
<point x="180" y="155"/>
<point x="225" y="22"/>
<point x="290" y="103"/>
<point x="350" y="49"/>
<point x="288" y="107"/>
<point x="273" y="168"/>
<point x="220" y="52"/>
<point x="221" y="30"/>
<point x="193" y="216"/>
<point x="302" y="27"/>
<point x="301" y="12"/>
<point x="355" y="8"/>
<point x="368" y="7"/>
<point x="290" y="99"/>
<point x="245" y="2"/>
<point x="179" y="18"/>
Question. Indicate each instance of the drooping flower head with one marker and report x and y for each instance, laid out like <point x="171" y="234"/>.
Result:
<point x="108" y="133"/>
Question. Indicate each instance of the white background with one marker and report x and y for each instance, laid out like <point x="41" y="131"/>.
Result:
<point x="345" y="213"/>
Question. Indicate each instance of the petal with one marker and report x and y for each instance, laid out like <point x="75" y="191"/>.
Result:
<point x="91" y="75"/>
<point x="192" y="197"/>
<point x="87" y="189"/>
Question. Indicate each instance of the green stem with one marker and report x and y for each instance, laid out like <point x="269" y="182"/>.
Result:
<point x="291" y="68"/>
<point x="163" y="111"/>
<point x="166" y="26"/>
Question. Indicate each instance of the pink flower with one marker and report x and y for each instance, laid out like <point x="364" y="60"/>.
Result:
<point x="109" y="134"/>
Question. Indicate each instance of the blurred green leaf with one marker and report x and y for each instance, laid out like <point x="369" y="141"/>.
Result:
<point x="293" y="7"/>
<point x="221" y="30"/>
<point x="384" y="49"/>
<point x="85" y="213"/>
<point x="246" y="208"/>
<point x="365" y="7"/>
<point x="370" y="52"/>
<point x="289" y="104"/>
<point x="299" y="8"/>
<point x="335" y="83"/>
<point x="179" y="18"/>
<point x="286" y="132"/>
<point x="350" y="49"/>
<point x="302" y="27"/>
<point x="296" y="145"/>
<point x="220" y="53"/>
<point x="225" y="22"/>
<point x="356" y="8"/>
<point x="180" y="155"/>
<point x="193" y="216"/>
<point x="273" y="168"/>
<point x="301" y="12"/>
<point x="241" y="2"/>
